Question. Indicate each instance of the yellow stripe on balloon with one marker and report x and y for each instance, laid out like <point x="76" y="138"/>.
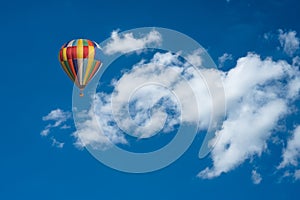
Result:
<point x="65" y="54"/>
<point x="90" y="63"/>
<point x="91" y="52"/>
<point x="80" y="49"/>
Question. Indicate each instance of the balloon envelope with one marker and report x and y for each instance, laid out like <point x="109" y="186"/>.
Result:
<point x="80" y="60"/>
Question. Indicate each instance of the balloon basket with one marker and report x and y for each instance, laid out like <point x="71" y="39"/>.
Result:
<point x="81" y="93"/>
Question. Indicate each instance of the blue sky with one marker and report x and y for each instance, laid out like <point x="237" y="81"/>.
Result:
<point x="34" y="84"/>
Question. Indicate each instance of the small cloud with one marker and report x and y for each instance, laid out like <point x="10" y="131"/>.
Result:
<point x="45" y="132"/>
<point x="56" y="143"/>
<point x="222" y="59"/>
<point x="291" y="153"/>
<point x="256" y="177"/>
<point x="65" y="127"/>
<point x="271" y="36"/>
<point x="288" y="41"/>
<point x="296" y="61"/>
<point x="58" y="117"/>
<point x="297" y="174"/>
<point x="124" y="43"/>
<point x="267" y="36"/>
<point x="291" y="174"/>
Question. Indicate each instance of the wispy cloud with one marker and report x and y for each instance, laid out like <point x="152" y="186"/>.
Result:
<point x="45" y="132"/>
<point x="288" y="41"/>
<point x="291" y="153"/>
<point x="57" y="119"/>
<point x="124" y="43"/>
<point x="297" y="174"/>
<point x="222" y="59"/>
<point x="56" y="143"/>
<point x="256" y="177"/>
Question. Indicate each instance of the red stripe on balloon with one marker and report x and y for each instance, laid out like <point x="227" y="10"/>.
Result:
<point x="60" y="55"/>
<point x="69" y="52"/>
<point x="90" y="43"/>
<point x="85" y="51"/>
<point x="70" y="62"/>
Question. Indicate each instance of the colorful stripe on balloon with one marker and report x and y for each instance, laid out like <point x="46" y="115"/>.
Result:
<point x="80" y="60"/>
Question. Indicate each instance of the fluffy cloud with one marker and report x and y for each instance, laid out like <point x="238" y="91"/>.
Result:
<point x="256" y="177"/>
<point x="258" y="93"/>
<point x="127" y="42"/>
<point x="58" y="117"/>
<point x="96" y="128"/>
<point x="292" y="152"/>
<point x="256" y="99"/>
<point x="288" y="41"/>
<point x="296" y="61"/>
<point x="150" y="97"/>
<point x="145" y="102"/>
<point x="148" y="83"/>
<point x="195" y="58"/>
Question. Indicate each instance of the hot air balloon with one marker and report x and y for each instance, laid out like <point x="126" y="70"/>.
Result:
<point x="80" y="60"/>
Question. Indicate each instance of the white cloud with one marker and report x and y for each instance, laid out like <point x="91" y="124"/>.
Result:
<point x="195" y="58"/>
<point x="288" y="41"/>
<point x="297" y="175"/>
<point x="256" y="177"/>
<point x="58" y="117"/>
<point x="291" y="153"/>
<point x="222" y="59"/>
<point x="258" y="93"/>
<point x="149" y="95"/>
<point x="56" y="143"/>
<point x="294" y="174"/>
<point x="267" y="36"/>
<point x="149" y="84"/>
<point x="124" y="43"/>
<point x="65" y="126"/>
<point x="256" y="100"/>
<point x="294" y="87"/>
<point x="296" y="61"/>
<point x="45" y="132"/>
<point x="94" y="128"/>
